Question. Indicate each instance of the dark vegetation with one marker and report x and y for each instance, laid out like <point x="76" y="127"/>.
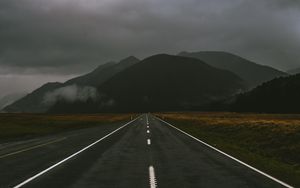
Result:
<point x="281" y="95"/>
<point x="270" y="142"/>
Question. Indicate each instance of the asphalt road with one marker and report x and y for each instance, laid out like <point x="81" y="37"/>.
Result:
<point x="143" y="153"/>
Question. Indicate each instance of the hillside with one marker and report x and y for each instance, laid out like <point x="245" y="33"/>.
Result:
<point x="35" y="101"/>
<point x="280" y="95"/>
<point x="253" y="73"/>
<point x="161" y="82"/>
<point x="103" y="73"/>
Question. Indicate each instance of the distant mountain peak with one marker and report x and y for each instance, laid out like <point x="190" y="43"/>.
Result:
<point x="129" y="59"/>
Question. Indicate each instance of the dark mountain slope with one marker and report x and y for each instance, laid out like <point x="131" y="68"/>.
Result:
<point x="103" y="73"/>
<point x="161" y="82"/>
<point x="254" y="74"/>
<point x="91" y="78"/>
<point x="34" y="102"/>
<point x="280" y="95"/>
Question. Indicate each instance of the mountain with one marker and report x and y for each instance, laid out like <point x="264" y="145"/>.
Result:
<point x="103" y="72"/>
<point x="254" y="74"/>
<point x="294" y="71"/>
<point x="35" y="101"/>
<point x="10" y="98"/>
<point x="160" y="82"/>
<point x="280" y="95"/>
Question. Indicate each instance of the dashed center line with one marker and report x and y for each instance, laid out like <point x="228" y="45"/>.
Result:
<point x="153" y="183"/>
<point x="148" y="141"/>
<point x="147" y="120"/>
<point x="148" y="131"/>
<point x="147" y="127"/>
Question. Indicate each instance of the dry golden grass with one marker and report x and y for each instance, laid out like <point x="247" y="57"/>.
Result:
<point x="270" y="142"/>
<point x="274" y="122"/>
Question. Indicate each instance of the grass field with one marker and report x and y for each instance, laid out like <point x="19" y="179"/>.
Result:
<point x="269" y="142"/>
<point x="14" y="126"/>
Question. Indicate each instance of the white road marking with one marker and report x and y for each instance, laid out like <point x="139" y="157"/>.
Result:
<point x="148" y="141"/>
<point x="153" y="183"/>
<point x="231" y="157"/>
<point x="147" y="120"/>
<point x="148" y="131"/>
<point x="147" y="127"/>
<point x="31" y="148"/>
<point x="71" y="156"/>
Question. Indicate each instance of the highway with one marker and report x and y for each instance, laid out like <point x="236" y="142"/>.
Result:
<point x="146" y="152"/>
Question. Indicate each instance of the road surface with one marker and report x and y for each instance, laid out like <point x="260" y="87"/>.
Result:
<point x="146" y="152"/>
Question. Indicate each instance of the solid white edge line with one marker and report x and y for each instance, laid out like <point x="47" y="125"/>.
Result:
<point x="231" y="157"/>
<point x="71" y="156"/>
<point x="152" y="179"/>
<point x="148" y="141"/>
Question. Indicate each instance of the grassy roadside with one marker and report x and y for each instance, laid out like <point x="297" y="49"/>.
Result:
<point x="14" y="126"/>
<point x="269" y="142"/>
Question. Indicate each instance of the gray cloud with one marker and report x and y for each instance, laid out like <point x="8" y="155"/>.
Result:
<point x="73" y="36"/>
<point x="71" y="94"/>
<point x="82" y="33"/>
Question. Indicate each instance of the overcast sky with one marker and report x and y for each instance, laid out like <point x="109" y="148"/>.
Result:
<point x="53" y="40"/>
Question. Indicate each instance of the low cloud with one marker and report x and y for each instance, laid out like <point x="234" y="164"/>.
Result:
<point x="71" y="93"/>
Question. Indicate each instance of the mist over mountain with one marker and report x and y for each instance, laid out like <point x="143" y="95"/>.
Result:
<point x="294" y="71"/>
<point x="160" y="82"/>
<point x="253" y="73"/>
<point x="280" y="95"/>
<point x="38" y="100"/>
<point x="71" y="93"/>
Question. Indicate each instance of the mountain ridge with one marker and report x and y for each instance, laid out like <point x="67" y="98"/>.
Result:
<point x="109" y="83"/>
<point x="253" y="73"/>
<point x="161" y="82"/>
